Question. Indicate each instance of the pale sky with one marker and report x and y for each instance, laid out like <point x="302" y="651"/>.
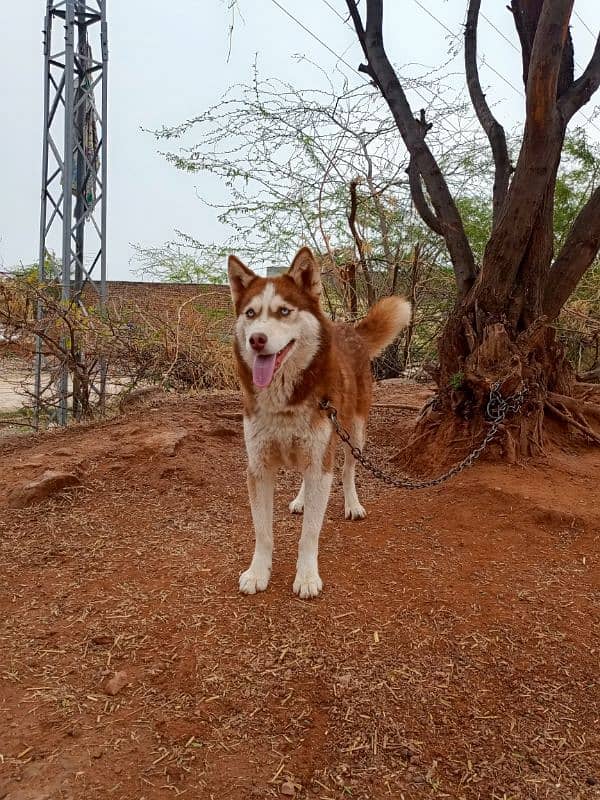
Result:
<point x="168" y="62"/>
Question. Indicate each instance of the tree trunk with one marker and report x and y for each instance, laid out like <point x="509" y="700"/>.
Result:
<point x="498" y="332"/>
<point x="477" y="351"/>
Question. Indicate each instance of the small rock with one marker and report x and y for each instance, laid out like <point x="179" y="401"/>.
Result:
<point x="166" y="442"/>
<point x="288" y="789"/>
<point x="51" y="482"/>
<point x="118" y="681"/>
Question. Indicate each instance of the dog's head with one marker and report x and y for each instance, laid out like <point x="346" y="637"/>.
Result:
<point x="278" y="328"/>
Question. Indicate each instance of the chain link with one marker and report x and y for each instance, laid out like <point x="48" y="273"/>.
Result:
<point x="497" y="409"/>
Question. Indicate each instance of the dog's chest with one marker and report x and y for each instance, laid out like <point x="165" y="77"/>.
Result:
<point x="289" y="439"/>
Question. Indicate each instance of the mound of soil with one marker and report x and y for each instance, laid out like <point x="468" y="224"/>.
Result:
<point x="453" y="654"/>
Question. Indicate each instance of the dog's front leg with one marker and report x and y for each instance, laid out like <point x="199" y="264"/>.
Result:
<point x="317" y="485"/>
<point x="352" y="506"/>
<point x="261" y="485"/>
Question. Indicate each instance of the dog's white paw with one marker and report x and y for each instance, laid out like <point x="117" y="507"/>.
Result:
<point x="355" y="511"/>
<point x="255" y="579"/>
<point x="307" y="584"/>
<point x="296" y="506"/>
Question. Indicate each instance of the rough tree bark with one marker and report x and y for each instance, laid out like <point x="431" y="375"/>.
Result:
<point x="499" y="328"/>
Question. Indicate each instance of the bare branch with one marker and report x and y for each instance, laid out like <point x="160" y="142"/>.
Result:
<point x="551" y="36"/>
<point x="379" y="210"/>
<point x="577" y="254"/>
<point x="362" y="38"/>
<point x="491" y="126"/>
<point x="382" y="72"/>
<point x="360" y="245"/>
<point x="428" y="216"/>
<point x="526" y="15"/>
<point x="584" y="87"/>
<point x="416" y="190"/>
<point x="532" y="185"/>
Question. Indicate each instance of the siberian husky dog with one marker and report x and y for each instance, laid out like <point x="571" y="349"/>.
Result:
<point x="290" y="357"/>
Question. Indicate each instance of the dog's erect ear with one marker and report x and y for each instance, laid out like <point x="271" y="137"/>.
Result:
<point x="305" y="272"/>
<point x="239" y="277"/>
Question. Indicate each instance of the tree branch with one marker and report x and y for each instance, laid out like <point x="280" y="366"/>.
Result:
<point x="384" y="76"/>
<point x="379" y="210"/>
<point x="418" y="197"/>
<point x="491" y="126"/>
<point x="526" y="15"/>
<point x="551" y="36"/>
<point x="584" y="87"/>
<point x="426" y="213"/>
<point x="360" y="245"/>
<point x="539" y="158"/>
<point x="362" y="38"/>
<point x="577" y="254"/>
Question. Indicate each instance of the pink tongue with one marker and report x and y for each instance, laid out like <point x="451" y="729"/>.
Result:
<point x="263" y="369"/>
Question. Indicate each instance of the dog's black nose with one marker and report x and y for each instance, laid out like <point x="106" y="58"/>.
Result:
<point x="258" y="341"/>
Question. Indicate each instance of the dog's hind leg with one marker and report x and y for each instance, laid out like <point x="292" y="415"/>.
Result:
<point x="317" y="485"/>
<point x="297" y="504"/>
<point x="261" y="487"/>
<point x="352" y="507"/>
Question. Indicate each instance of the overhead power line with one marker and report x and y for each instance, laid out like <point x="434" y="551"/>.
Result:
<point x="497" y="29"/>
<point x="314" y="36"/>
<point x="458" y="36"/>
<point x="585" y="25"/>
<point x="413" y="88"/>
<point x="589" y="119"/>
<point x="442" y="24"/>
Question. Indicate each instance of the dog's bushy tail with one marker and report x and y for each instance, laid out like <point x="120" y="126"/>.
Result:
<point x="383" y="323"/>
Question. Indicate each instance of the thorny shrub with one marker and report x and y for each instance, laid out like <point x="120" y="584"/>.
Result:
<point x="112" y="350"/>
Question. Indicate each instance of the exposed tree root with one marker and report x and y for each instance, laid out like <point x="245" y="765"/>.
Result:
<point x="574" y="419"/>
<point x="575" y="405"/>
<point x="592" y="376"/>
<point x="587" y="391"/>
<point x="456" y="419"/>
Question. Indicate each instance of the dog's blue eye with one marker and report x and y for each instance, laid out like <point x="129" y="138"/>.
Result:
<point x="250" y="313"/>
<point x="284" y="311"/>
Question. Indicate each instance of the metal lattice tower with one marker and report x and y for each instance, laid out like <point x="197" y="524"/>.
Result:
<point x="73" y="207"/>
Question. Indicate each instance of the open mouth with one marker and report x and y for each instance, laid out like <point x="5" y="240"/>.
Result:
<point x="265" y="366"/>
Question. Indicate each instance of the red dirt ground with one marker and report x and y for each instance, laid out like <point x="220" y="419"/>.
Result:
<point x="454" y="652"/>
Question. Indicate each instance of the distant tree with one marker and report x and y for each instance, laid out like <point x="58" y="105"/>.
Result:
<point x="288" y="158"/>
<point x="178" y="262"/>
<point x="326" y="168"/>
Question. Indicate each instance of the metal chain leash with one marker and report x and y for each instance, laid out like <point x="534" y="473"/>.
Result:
<point x="498" y="408"/>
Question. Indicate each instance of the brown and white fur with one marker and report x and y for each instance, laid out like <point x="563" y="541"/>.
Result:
<point x="283" y="424"/>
